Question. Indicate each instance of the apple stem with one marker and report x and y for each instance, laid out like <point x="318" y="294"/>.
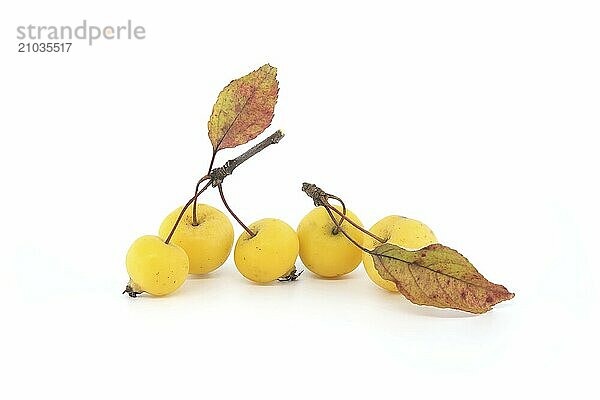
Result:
<point x="217" y="175"/>
<point x="210" y="167"/>
<point x="328" y="207"/>
<point x="194" y="213"/>
<point x="185" y="207"/>
<point x="342" y="214"/>
<point x="321" y="198"/>
<point x="239" y="221"/>
<point x="360" y="228"/>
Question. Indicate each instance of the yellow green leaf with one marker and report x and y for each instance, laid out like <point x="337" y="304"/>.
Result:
<point x="244" y="108"/>
<point x="438" y="276"/>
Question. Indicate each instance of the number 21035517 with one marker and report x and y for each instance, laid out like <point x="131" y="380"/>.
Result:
<point x="36" y="47"/>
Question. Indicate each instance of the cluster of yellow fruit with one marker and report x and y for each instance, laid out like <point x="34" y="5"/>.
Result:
<point x="159" y="268"/>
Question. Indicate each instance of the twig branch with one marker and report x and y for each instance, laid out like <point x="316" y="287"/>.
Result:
<point x="217" y="175"/>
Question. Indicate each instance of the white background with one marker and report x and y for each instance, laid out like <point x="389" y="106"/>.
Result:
<point x="479" y="118"/>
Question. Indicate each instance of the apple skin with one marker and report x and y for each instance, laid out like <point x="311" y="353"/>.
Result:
<point x="324" y="253"/>
<point x="404" y="232"/>
<point x="269" y="254"/>
<point x="156" y="267"/>
<point x="208" y="244"/>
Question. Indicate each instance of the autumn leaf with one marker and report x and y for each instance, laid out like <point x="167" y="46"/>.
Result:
<point x="438" y="276"/>
<point x="244" y="109"/>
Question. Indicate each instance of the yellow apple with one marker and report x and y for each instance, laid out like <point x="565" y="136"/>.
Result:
<point x="155" y="267"/>
<point x="404" y="232"/>
<point x="324" y="250"/>
<point x="268" y="255"/>
<point x="207" y="244"/>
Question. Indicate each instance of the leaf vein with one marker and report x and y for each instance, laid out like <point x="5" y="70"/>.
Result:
<point x="439" y="272"/>
<point x="242" y="110"/>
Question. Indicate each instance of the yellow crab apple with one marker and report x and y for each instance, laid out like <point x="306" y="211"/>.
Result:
<point x="155" y="267"/>
<point x="269" y="254"/>
<point x="324" y="249"/>
<point x="404" y="232"/>
<point x="207" y="244"/>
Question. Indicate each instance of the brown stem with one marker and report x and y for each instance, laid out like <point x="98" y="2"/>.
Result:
<point x="343" y="216"/>
<point x="360" y="228"/>
<point x="328" y="207"/>
<point x="212" y="160"/>
<point x="190" y="201"/>
<point x="194" y="213"/>
<point x="252" y="234"/>
<point x="219" y="174"/>
<point x="321" y="198"/>
<point x="216" y="176"/>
